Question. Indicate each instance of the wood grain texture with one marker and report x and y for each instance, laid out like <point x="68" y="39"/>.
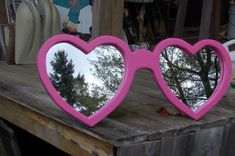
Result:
<point x="180" y="18"/>
<point x="216" y="19"/>
<point x="25" y="103"/>
<point x="107" y="17"/>
<point x="225" y="141"/>
<point x="206" y="19"/>
<point x="64" y="138"/>
<point x="150" y="148"/>
<point x="3" y="13"/>
<point x="9" y="34"/>
<point x="228" y="145"/>
<point x="178" y="145"/>
<point x="207" y="142"/>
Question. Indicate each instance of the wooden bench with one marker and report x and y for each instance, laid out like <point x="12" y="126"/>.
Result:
<point x="134" y="129"/>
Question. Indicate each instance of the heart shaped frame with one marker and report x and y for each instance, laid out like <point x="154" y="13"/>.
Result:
<point x="141" y="59"/>
<point x="222" y="86"/>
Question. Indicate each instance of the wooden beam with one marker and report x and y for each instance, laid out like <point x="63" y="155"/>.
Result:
<point x="207" y="7"/>
<point x="2" y="44"/>
<point x="149" y="148"/>
<point x="61" y="136"/>
<point x="107" y="17"/>
<point x="3" y="13"/>
<point x="216" y="18"/>
<point x="209" y="146"/>
<point x="9" y="34"/>
<point x="180" y="18"/>
<point x="227" y="147"/>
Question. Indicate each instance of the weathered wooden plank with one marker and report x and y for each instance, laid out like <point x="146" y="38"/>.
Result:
<point x="102" y="22"/>
<point x="176" y="145"/>
<point x="151" y="148"/>
<point x="121" y="136"/>
<point x="64" y="138"/>
<point x="167" y="146"/>
<point x="9" y="33"/>
<point x="31" y="92"/>
<point x="216" y="117"/>
<point x="107" y="19"/>
<point x="135" y="121"/>
<point x="207" y="142"/>
<point x="216" y="18"/>
<point x="3" y="13"/>
<point x="180" y="18"/>
<point x="150" y="120"/>
<point x="183" y="145"/>
<point x="225" y="141"/>
<point x="47" y="107"/>
<point x="104" y="129"/>
<point x="2" y="44"/>
<point x="206" y="16"/>
<point x="228" y="144"/>
<point x="117" y="17"/>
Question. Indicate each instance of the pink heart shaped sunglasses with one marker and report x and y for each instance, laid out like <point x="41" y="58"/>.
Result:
<point x="140" y="59"/>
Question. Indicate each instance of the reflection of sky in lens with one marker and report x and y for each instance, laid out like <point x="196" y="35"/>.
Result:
<point x="80" y="60"/>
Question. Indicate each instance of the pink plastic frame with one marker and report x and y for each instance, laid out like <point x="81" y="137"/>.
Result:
<point x="141" y="59"/>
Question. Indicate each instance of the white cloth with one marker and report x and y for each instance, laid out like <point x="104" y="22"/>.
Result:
<point x="85" y="19"/>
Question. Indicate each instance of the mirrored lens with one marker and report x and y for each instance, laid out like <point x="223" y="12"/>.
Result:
<point x="191" y="79"/>
<point x="85" y="82"/>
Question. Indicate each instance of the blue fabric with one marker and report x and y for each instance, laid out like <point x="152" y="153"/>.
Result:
<point x="84" y="3"/>
<point x="74" y="10"/>
<point x="74" y="13"/>
<point x="63" y="3"/>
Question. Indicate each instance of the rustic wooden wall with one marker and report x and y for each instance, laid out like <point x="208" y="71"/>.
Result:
<point x="218" y="141"/>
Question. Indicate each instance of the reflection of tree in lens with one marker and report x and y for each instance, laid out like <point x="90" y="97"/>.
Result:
<point x="88" y="101"/>
<point x="62" y="76"/>
<point x="191" y="79"/>
<point x="108" y="68"/>
<point x="74" y="89"/>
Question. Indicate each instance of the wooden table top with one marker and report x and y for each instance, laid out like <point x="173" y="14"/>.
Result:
<point x="25" y="103"/>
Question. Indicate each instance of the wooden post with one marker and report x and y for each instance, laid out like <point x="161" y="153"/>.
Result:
<point x="180" y="19"/>
<point x="2" y="44"/>
<point x="216" y="17"/>
<point x="107" y="17"/>
<point x="141" y="23"/>
<point x="3" y="13"/>
<point x="206" y="16"/>
<point x="9" y="33"/>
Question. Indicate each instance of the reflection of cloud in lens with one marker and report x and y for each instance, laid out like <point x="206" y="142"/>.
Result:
<point x="80" y="61"/>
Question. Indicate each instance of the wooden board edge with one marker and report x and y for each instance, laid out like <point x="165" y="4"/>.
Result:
<point x="53" y="132"/>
